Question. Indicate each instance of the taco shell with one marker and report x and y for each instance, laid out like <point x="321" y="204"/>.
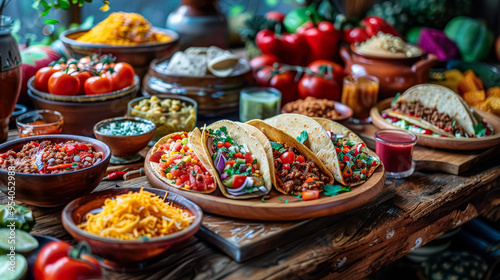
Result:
<point x="276" y="135"/>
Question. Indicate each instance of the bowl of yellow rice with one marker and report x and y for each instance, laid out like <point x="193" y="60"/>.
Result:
<point x="127" y="36"/>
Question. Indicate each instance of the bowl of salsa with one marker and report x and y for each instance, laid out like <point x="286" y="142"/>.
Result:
<point x="125" y="136"/>
<point x="39" y="122"/>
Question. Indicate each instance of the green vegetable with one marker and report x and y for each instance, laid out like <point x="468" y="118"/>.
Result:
<point x="228" y="182"/>
<point x="333" y="190"/>
<point x="479" y="129"/>
<point x="21" y="216"/>
<point x="277" y="147"/>
<point x="24" y="243"/>
<point x="298" y="17"/>
<point x="472" y="37"/>
<point x="413" y="35"/>
<point x="327" y="10"/>
<point x="302" y="137"/>
<point x="125" y="128"/>
<point x="395" y="98"/>
<point x="6" y="270"/>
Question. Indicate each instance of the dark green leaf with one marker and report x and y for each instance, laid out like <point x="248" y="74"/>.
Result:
<point x="278" y="147"/>
<point x="333" y="190"/>
<point x="45" y="5"/>
<point x="479" y="129"/>
<point x="302" y="137"/>
<point x="64" y="4"/>
<point x="395" y="98"/>
<point x="44" y="13"/>
<point x="50" y="21"/>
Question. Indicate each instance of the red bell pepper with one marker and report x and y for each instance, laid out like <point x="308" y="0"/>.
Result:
<point x="374" y="25"/>
<point x="355" y="35"/>
<point x="289" y="48"/>
<point x="58" y="260"/>
<point x="59" y="166"/>
<point x="322" y="39"/>
<point x="82" y="147"/>
<point x="70" y="149"/>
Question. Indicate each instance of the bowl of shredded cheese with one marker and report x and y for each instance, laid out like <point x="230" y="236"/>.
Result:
<point x="128" y="226"/>
<point x="128" y="36"/>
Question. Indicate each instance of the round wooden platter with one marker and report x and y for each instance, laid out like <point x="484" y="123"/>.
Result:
<point x="444" y="142"/>
<point x="279" y="207"/>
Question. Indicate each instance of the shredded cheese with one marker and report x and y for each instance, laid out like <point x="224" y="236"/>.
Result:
<point x="135" y="215"/>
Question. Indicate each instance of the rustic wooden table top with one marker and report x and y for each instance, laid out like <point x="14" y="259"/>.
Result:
<point x="366" y="239"/>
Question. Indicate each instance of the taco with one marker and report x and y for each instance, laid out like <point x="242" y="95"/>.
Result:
<point x="356" y="162"/>
<point x="297" y="170"/>
<point x="175" y="163"/>
<point x="435" y="110"/>
<point x="239" y="160"/>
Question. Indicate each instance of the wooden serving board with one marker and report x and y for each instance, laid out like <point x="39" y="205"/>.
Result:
<point x="449" y="143"/>
<point x="434" y="159"/>
<point x="244" y="239"/>
<point x="278" y="207"/>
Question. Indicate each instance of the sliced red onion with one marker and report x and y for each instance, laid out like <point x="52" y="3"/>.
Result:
<point x="220" y="162"/>
<point x="223" y="176"/>
<point x="243" y="168"/>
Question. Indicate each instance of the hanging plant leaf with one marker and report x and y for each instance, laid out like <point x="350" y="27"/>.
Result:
<point x="50" y="21"/>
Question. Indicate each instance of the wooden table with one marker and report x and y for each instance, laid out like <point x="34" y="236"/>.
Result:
<point x="366" y="239"/>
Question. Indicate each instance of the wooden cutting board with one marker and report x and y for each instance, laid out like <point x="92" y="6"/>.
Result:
<point x="427" y="158"/>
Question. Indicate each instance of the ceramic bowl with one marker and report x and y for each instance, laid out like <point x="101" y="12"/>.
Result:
<point x="81" y="113"/>
<point x="53" y="189"/>
<point x="128" y="255"/>
<point x="139" y="56"/>
<point x="124" y="149"/>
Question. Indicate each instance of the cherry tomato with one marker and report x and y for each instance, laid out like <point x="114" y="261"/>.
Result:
<point x="287" y="157"/>
<point x="310" y="194"/>
<point x="274" y="15"/>
<point x="82" y="76"/>
<point x="85" y="60"/>
<point x="122" y="75"/>
<point x="98" y="85"/>
<point x="102" y="68"/>
<point x="300" y="159"/>
<point x="263" y="60"/>
<point x="427" y="131"/>
<point x="42" y="78"/>
<point x="61" y="83"/>
<point x="238" y="181"/>
<point x="319" y="87"/>
<point x="263" y="75"/>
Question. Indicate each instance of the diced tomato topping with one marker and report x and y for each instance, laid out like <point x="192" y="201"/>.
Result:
<point x="310" y="194"/>
<point x="71" y="149"/>
<point x="345" y="150"/>
<point x="410" y="114"/>
<point x="176" y="173"/>
<point x="37" y="144"/>
<point x="176" y="137"/>
<point x="4" y="155"/>
<point x="308" y="180"/>
<point x="238" y="181"/>
<point x="156" y="156"/>
<point x="227" y="144"/>
<point x="231" y="162"/>
<point x="238" y="155"/>
<point x="220" y="144"/>
<point x="170" y="141"/>
<point x="248" y="158"/>
<point x="286" y="166"/>
<point x="346" y="158"/>
<point x="446" y="129"/>
<point x="338" y="150"/>
<point x="356" y="152"/>
<point x="300" y="159"/>
<point x="427" y="131"/>
<point x="177" y="147"/>
<point x="185" y="148"/>
<point x="373" y="163"/>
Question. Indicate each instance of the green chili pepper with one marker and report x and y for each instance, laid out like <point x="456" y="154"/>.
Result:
<point x="21" y="216"/>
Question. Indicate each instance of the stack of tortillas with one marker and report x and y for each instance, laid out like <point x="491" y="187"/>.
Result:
<point x="196" y="61"/>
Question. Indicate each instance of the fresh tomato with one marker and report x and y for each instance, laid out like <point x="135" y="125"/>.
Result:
<point x="337" y="70"/>
<point x="176" y="172"/>
<point x="287" y="157"/>
<point x="82" y="77"/>
<point x="280" y="79"/>
<point x="122" y="75"/>
<point x="286" y="166"/>
<point x="310" y="194"/>
<point x="238" y="181"/>
<point x="156" y="156"/>
<point x="427" y="131"/>
<point x="263" y="60"/>
<point x="274" y="15"/>
<point x="103" y="67"/>
<point x="355" y="35"/>
<point x="300" y="159"/>
<point x="263" y="75"/>
<point x="61" y="83"/>
<point x="42" y="78"/>
<point x="227" y="144"/>
<point x="98" y="85"/>
<point x="319" y="87"/>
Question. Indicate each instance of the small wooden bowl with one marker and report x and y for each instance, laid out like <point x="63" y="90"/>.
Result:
<point x="125" y="148"/>
<point x="128" y="255"/>
<point x="54" y="189"/>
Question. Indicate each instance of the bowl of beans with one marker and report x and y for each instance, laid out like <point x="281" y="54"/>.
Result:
<point x="170" y="114"/>
<point x="125" y="136"/>
<point x="52" y="170"/>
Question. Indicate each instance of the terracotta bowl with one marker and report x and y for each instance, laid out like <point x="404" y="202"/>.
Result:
<point x="125" y="147"/>
<point x="54" y="189"/>
<point x="81" y="113"/>
<point x="138" y="56"/>
<point x="128" y="254"/>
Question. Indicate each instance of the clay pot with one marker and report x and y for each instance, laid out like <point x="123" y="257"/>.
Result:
<point x="396" y="74"/>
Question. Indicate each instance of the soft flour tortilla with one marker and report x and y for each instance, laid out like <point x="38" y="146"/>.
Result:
<point x="201" y="157"/>
<point x="240" y="136"/>
<point x="419" y="122"/>
<point x="446" y="101"/>
<point x="337" y="128"/>
<point x="317" y="141"/>
<point x="276" y="135"/>
<point x="265" y="143"/>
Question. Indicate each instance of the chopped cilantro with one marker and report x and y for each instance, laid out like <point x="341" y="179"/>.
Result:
<point x="167" y="170"/>
<point x="479" y="129"/>
<point x="278" y="147"/>
<point x="395" y="98"/>
<point x="280" y="199"/>
<point x="223" y="129"/>
<point x="254" y="161"/>
<point x="286" y="201"/>
<point x="173" y="182"/>
<point x="193" y="172"/>
<point x="302" y="137"/>
<point x="333" y="190"/>
<point x="262" y="200"/>
<point x="164" y="160"/>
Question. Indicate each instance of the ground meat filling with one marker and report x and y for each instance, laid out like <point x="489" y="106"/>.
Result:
<point x="293" y="179"/>
<point x="441" y="120"/>
<point x="46" y="157"/>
